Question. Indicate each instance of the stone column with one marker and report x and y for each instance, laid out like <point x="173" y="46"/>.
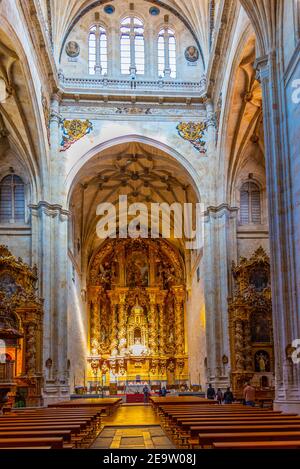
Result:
<point x="122" y="339"/>
<point x="52" y="227"/>
<point x="281" y="127"/>
<point x="211" y="129"/>
<point x="94" y="309"/>
<point x="152" y="317"/>
<point x="114" y="324"/>
<point x="219" y="251"/>
<point x="247" y="347"/>
<point x="179" y="297"/>
<point x="30" y="349"/>
<point x="161" y="322"/>
<point x="239" y="346"/>
<point x="51" y="235"/>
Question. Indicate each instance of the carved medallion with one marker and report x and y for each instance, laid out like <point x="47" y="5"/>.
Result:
<point x="73" y="49"/>
<point x="191" y="54"/>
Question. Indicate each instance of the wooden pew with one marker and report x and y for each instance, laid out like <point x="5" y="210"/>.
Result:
<point x="76" y="431"/>
<point x="26" y="447"/>
<point x="204" y="425"/>
<point x="258" y="445"/>
<point x="188" y="430"/>
<point x="54" y="442"/>
<point x="110" y="404"/>
<point x="207" y="440"/>
<point x="64" y="434"/>
<point x="76" y="426"/>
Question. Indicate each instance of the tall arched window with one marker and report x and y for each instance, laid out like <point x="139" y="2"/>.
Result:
<point x="167" y="53"/>
<point x="250" y="204"/>
<point x="132" y="46"/>
<point x="12" y="200"/>
<point x="97" y="51"/>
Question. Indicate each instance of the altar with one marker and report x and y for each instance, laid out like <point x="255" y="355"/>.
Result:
<point x="136" y="298"/>
<point x="136" y="388"/>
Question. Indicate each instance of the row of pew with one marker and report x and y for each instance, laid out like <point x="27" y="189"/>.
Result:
<point x="59" y="426"/>
<point x="234" y="426"/>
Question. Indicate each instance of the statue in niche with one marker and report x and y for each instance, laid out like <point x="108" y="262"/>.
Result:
<point x="105" y="274"/>
<point x="260" y="328"/>
<point x="262" y="361"/>
<point x="114" y="272"/>
<point x="166" y="275"/>
<point x="8" y="284"/>
<point x="259" y="279"/>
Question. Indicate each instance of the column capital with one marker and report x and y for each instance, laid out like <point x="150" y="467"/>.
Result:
<point x="261" y="65"/>
<point x="179" y="293"/>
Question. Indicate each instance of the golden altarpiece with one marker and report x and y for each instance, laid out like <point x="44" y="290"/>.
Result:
<point x="136" y="300"/>
<point x="21" y="328"/>
<point x="250" y="324"/>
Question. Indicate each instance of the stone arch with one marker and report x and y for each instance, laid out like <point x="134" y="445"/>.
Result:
<point x="30" y="159"/>
<point x="173" y="153"/>
<point x="264" y="16"/>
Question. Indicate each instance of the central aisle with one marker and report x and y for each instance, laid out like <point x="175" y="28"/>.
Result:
<point x="133" y="427"/>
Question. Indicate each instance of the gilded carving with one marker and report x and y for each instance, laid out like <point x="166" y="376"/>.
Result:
<point x="21" y="317"/>
<point x="250" y="319"/>
<point x="133" y="317"/>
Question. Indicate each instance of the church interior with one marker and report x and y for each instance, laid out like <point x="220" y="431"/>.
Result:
<point x="132" y="115"/>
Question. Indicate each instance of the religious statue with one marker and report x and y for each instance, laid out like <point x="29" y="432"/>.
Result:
<point x="104" y="274"/>
<point x="262" y="361"/>
<point x="191" y="54"/>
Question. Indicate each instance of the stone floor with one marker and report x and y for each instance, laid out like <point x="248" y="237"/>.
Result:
<point x="132" y="427"/>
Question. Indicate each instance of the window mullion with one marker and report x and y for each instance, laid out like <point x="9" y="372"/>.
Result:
<point x="132" y="48"/>
<point x="167" y="71"/>
<point x="12" y="188"/>
<point x="98" y="67"/>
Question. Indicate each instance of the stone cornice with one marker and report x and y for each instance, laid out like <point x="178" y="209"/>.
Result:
<point x="216" y="212"/>
<point x="52" y="210"/>
<point x="127" y="99"/>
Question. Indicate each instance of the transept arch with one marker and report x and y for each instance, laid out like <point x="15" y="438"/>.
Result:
<point x="124" y="139"/>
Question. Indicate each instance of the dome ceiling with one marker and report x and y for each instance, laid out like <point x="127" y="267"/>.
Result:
<point x="195" y="12"/>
